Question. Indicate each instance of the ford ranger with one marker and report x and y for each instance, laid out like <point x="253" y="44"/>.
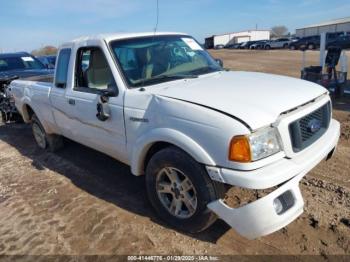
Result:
<point x="161" y="104"/>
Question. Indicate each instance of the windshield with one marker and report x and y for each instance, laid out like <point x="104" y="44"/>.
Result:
<point x="157" y="59"/>
<point x="19" y="63"/>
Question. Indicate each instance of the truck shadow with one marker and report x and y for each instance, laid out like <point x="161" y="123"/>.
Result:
<point x="96" y="174"/>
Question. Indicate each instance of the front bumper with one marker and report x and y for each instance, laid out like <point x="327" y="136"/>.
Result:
<point x="260" y="218"/>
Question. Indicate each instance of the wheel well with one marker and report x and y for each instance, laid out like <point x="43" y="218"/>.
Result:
<point x="156" y="147"/>
<point x="29" y="111"/>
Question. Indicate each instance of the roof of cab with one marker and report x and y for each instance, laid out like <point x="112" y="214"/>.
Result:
<point x="116" y="36"/>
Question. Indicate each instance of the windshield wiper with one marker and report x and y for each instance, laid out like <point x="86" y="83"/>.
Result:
<point x="165" y="77"/>
<point x="205" y="70"/>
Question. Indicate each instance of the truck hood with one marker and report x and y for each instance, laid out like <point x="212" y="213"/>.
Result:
<point x="255" y="98"/>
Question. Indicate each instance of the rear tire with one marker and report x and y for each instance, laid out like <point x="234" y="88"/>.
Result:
<point x="179" y="190"/>
<point x="267" y="47"/>
<point x="45" y="141"/>
<point x="311" y="46"/>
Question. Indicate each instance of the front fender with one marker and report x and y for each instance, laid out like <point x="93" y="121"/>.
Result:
<point x="143" y="144"/>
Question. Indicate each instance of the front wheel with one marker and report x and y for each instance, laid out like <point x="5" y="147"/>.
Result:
<point x="179" y="189"/>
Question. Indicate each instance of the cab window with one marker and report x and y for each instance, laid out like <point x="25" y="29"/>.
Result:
<point x="92" y="70"/>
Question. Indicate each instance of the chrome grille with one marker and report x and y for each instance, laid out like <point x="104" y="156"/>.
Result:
<point x="306" y="130"/>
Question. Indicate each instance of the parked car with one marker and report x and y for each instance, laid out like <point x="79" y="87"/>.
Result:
<point x="17" y="65"/>
<point x="259" y="45"/>
<point x="342" y="41"/>
<point x="228" y="46"/>
<point x="246" y="45"/>
<point x="294" y="39"/>
<point x="192" y="128"/>
<point x="219" y="46"/>
<point x="22" y="65"/>
<point x="233" y="46"/>
<point x="309" y="42"/>
<point x="236" y="46"/>
<point x="313" y="42"/>
<point x="49" y="61"/>
<point x="278" y="43"/>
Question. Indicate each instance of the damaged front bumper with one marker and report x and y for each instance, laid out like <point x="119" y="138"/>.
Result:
<point x="261" y="217"/>
<point x="280" y="207"/>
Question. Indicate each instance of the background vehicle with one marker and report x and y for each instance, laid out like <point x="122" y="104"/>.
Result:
<point x="22" y="65"/>
<point x="236" y="46"/>
<point x="233" y="46"/>
<point x="294" y="38"/>
<point x="309" y="42"/>
<point x="278" y="43"/>
<point x="49" y="61"/>
<point x="342" y="41"/>
<point x="18" y="65"/>
<point x="155" y="101"/>
<point x="246" y="45"/>
<point x="313" y="42"/>
<point x="219" y="47"/>
<point x="259" y="45"/>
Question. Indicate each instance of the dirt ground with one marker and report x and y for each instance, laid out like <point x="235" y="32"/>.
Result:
<point x="78" y="201"/>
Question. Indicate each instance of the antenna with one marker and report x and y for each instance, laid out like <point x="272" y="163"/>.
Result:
<point x="157" y="17"/>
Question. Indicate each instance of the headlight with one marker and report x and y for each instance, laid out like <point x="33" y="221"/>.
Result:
<point x="260" y="144"/>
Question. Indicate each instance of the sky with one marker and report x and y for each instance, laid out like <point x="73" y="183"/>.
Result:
<point x="26" y="25"/>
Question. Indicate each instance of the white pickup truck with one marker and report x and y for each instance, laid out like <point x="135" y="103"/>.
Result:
<point x="161" y="104"/>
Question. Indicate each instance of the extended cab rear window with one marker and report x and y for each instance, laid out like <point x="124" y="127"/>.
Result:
<point x="62" y="68"/>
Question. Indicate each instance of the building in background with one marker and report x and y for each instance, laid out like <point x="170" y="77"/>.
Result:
<point x="337" y="25"/>
<point x="237" y="37"/>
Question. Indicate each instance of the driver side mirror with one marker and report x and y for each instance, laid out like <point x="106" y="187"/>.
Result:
<point x="219" y="61"/>
<point x="111" y="91"/>
<point x="103" y="111"/>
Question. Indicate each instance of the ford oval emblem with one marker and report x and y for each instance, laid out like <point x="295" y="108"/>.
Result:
<point x="314" y="125"/>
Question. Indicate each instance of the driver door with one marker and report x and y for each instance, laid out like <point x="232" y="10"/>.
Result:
<point x="92" y="76"/>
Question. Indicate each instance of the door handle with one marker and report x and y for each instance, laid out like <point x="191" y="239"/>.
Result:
<point x="71" y="101"/>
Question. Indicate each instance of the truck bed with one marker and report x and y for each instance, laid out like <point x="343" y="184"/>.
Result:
<point x="41" y="78"/>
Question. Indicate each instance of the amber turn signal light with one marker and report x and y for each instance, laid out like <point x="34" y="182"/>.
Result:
<point x="240" y="149"/>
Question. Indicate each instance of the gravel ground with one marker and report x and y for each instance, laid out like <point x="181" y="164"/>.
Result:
<point x="78" y="201"/>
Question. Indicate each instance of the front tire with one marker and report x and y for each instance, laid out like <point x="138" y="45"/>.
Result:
<point x="44" y="140"/>
<point x="179" y="189"/>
